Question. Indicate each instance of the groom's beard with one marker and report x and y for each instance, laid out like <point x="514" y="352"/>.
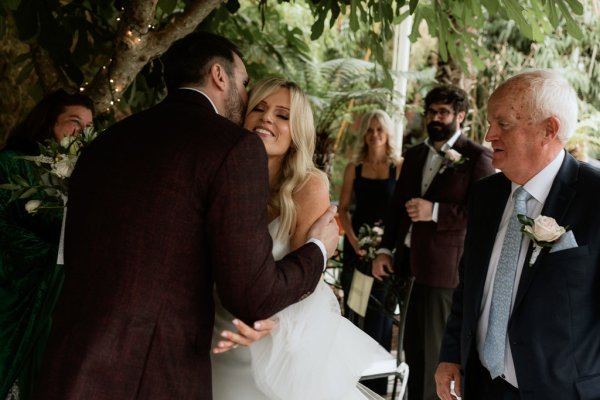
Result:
<point x="235" y="108"/>
<point x="439" y="131"/>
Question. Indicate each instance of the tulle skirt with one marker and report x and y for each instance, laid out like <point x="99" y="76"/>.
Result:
<point x="313" y="353"/>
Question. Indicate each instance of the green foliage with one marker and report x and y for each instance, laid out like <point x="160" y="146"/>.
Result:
<point x="338" y="85"/>
<point x="577" y="59"/>
<point x="273" y="39"/>
<point x="76" y="35"/>
<point x="332" y="84"/>
<point x="79" y="38"/>
<point x="455" y="23"/>
<point x="378" y="17"/>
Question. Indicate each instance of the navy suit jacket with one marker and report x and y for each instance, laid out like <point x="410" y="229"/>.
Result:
<point x="554" y="328"/>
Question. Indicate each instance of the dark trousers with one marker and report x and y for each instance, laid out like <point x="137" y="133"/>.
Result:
<point x="482" y="386"/>
<point x="428" y="310"/>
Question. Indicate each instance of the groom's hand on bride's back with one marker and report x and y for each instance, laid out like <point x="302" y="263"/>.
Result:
<point x="326" y="230"/>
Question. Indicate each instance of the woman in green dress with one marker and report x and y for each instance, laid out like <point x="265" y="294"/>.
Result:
<point x="30" y="279"/>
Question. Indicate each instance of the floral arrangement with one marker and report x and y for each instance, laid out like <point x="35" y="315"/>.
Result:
<point x="369" y="239"/>
<point x="53" y="168"/>
<point x="452" y="159"/>
<point x="543" y="232"/>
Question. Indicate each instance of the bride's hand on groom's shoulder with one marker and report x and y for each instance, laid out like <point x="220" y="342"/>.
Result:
<point x="245" y="335"/>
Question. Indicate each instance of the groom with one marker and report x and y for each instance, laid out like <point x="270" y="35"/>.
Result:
<point x="164" y="206"/>
<point x="526" y="325"/>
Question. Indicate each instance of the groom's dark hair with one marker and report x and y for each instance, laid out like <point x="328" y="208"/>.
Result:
<point x="188" y="60"/>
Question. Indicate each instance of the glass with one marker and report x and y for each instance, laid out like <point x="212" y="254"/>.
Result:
<point x="442" y="112"/>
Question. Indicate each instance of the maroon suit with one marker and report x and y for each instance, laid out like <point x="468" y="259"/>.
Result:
<point x="436" y="247"/>
<point x="163" y="206"/>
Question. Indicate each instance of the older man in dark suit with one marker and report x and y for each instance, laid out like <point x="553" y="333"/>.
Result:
<point x="163" y="206"/>
<point x="525" y="321"/>
<point x="427" y="228"/>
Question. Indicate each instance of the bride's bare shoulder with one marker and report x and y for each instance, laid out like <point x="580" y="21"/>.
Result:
<point x="313" y="194"/>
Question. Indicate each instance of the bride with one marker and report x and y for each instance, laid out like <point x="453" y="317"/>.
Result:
<point x="308" y="350"/>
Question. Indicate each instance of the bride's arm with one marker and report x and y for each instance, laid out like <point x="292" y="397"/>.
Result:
<point x="311" y="201"/>
<point x="245" y="335"/>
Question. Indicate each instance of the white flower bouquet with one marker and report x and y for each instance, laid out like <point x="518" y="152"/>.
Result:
<point x="369" y="239"/>
<point x="53" y="168"/>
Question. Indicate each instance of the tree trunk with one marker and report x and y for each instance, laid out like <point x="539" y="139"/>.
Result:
<point x="49" y="76"/>
<point x="136" y="44"/>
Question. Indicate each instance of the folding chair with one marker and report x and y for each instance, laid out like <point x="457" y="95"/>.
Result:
<point x="401" y="288"/>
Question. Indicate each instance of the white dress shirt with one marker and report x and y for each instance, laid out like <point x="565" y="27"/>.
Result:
<point x="430" y="169"/>
<point x="539" y="187"/>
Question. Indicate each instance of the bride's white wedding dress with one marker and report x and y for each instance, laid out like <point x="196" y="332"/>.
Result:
<point x="314" y="353"/>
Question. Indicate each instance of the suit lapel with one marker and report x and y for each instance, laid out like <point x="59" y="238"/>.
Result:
<point x="437" y="178"/>
<point x="556" y="206"/>
<point x="460" y="144"/>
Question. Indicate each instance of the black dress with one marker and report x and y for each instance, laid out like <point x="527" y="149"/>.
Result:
<point x="372" y="198"/>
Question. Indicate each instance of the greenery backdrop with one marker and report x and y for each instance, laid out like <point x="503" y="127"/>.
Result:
<point x="339" y="51"/>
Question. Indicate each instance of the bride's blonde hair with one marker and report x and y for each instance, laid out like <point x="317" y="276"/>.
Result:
<point x="298" y="165"/>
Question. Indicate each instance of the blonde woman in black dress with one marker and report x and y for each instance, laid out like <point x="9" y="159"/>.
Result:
<point x="370" y="181"/>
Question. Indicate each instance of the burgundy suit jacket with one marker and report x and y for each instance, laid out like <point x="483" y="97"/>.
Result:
<point x="436" y="247"/>
<point x="162" y="207"/>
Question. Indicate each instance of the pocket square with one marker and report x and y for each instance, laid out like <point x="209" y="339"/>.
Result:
<point x="565" y="242"/>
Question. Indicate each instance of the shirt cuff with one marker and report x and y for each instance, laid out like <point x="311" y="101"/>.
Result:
<point x="435" y="211"/>
<point x="322" y="248"/>
<point x="383" y="250"/>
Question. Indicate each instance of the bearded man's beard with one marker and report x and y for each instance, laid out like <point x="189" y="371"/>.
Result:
<point x="438" y="131"/>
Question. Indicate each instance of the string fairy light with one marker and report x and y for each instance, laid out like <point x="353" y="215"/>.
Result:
<point x="133" y="37"/>
<point x="84" y="86"/>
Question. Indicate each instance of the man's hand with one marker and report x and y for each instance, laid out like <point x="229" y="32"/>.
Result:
<point x="447" y="372"/>
<point x="382" y="266"/>
<point x="326" y="230"/>
<point x="419" y="209"/>
<point x="245" y="335"/>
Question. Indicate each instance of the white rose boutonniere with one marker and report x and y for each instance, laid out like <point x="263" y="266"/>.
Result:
<point x="452" y="159"/>
<point x="543" y="232"/>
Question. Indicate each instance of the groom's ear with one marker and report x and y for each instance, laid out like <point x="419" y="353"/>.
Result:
<point x="218" y="76"/>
